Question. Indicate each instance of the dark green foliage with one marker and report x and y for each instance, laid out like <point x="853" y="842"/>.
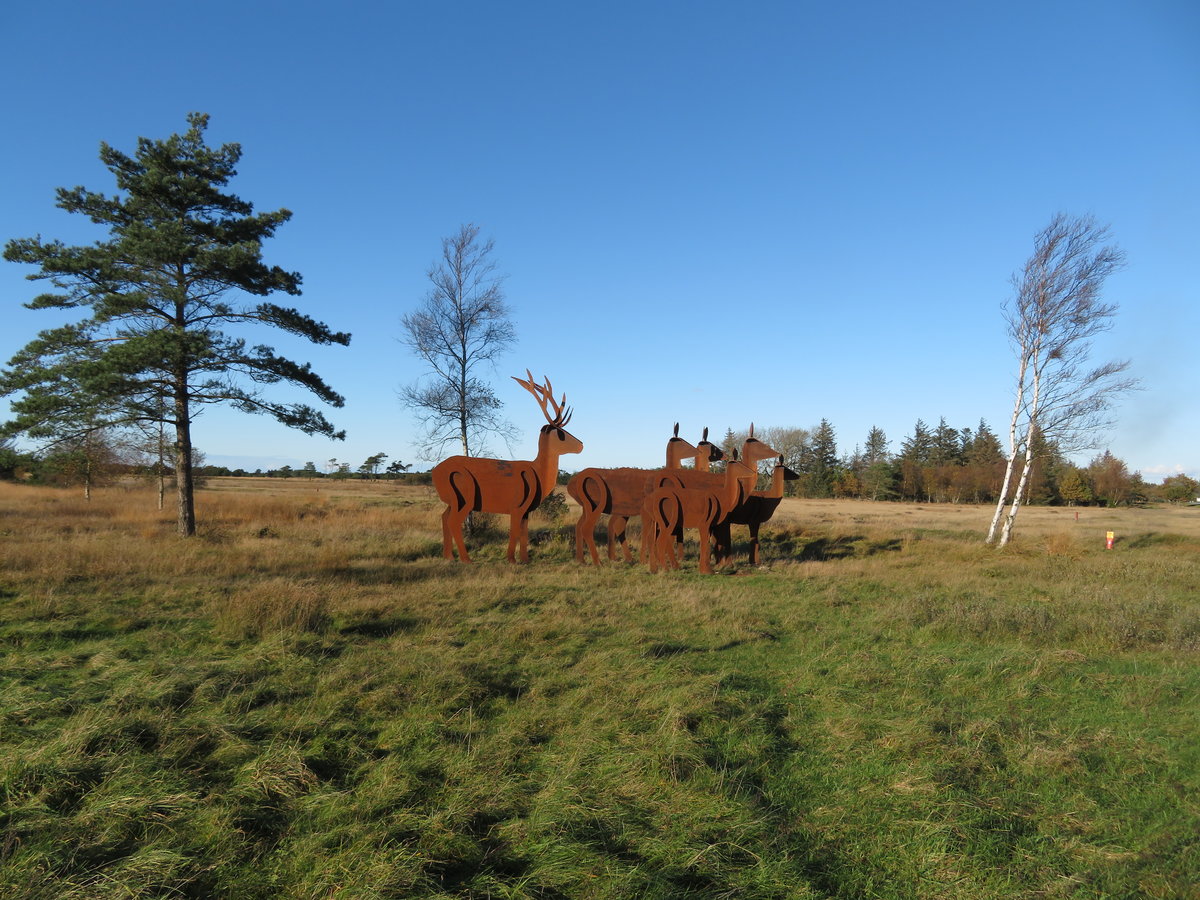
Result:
<point x="821" y="465"/>
<point x="553" y="506"/>
<point x="157" y="291"/>
<point x="12" y="461"/>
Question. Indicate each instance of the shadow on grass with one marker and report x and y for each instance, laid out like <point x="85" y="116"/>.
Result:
<point x="381" y="627"/>
<point x="790" y="545"/>
<point x="1151" y="539"/>
<point x="668" y="649"/>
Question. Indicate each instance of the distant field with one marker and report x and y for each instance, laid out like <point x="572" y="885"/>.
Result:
<point x="1082" y="522"/>
<point x="307" y="701"/>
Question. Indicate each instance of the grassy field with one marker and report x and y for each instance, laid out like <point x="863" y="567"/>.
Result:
<point x="307" y="701"/>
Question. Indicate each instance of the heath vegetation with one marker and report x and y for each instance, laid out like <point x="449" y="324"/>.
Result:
<point x="307" y="701"/>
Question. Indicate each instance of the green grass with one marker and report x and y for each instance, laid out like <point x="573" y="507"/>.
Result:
<point x="302" y="713"/>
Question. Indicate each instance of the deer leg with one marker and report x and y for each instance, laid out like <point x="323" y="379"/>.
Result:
<point x="514" y="534"/>
<point x="625" y="540"/>
<point x="754" y="543"/>
<point x="705" y="562"/>
<point x="448" y="539"/>
<point x="723" y="538"/>
<point x="589" y="515"/>
<point x="616" y="535"/>
<point x="585" y="537"/>
<point x="453" y="519"/>
<point x="669" y="525"/>
<point x="518" y="535"/>
<point x="649" y="549"/>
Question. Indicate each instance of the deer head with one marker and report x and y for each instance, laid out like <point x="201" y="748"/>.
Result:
<point x="709" y="451"/>
<point x="554" y="431"/>
<point x="678" y="449"/>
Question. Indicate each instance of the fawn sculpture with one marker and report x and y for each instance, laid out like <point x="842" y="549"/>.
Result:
<point x="753" y="511"/>
<point x="475" y="484"/>
<point x="669" y="509"/>
<point x="753" y="452"/>
<point x="619" y="493"/>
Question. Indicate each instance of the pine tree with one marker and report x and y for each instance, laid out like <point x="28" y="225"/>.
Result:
<point x="876" y="448"/>
<point x="154" y="347"/>
<point x="913" y="460"/>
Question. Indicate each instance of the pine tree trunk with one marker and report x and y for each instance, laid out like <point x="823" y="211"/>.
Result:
<point x="183" y="467"/>
<point x="162" y="475"/>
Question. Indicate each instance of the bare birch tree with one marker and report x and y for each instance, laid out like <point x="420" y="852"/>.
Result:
<point x="1055" y="312"/>
<point x="462" y="325"/>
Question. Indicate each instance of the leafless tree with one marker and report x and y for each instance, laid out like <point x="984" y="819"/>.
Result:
<point x="462" y="326"/>
<point x="1055" y="312"/>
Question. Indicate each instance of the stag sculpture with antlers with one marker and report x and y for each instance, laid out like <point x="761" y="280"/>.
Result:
<point x="513" y="487"/>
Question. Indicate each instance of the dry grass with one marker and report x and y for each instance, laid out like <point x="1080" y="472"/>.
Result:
<point x="1085" y="524"/>
<point x="307" y="700"/>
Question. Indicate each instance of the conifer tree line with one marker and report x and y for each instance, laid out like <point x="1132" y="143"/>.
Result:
<point x="944" y="464"/>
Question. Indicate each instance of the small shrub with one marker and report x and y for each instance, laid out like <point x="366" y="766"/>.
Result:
<point x="553" y="506"/>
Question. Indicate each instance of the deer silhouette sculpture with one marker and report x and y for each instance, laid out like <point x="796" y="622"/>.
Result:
<point x="669" y="509"/>
<point x="708" y="454"/>
<point x="753" y="452"/>
<point x="515" y="488"/>
<point x="619" y="493"/>
<point x="752" y="512"/>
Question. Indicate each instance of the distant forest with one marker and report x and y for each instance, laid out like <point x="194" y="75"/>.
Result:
<point x="939" y="464"/>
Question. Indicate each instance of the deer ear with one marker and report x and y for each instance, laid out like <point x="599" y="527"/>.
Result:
<point x="704" y="437"/>
<point x="751" y="427"/>
<point x="676" y="429"/>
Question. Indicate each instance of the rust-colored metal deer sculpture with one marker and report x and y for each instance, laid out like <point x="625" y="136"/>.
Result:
<point x="619" y="493"/>
<point x="515" y="488"/>
<point x="669" y="509"/>
<point x="753" y="511"/>
<point x="753" y="452"/>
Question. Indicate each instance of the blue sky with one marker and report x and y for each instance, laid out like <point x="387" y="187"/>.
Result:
<point x="708" y="213"/>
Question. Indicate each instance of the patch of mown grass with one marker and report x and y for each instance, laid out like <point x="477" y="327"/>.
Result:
<point x="869" y="714"/>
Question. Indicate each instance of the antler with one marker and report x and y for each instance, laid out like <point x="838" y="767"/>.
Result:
<point x="544" y="394"/>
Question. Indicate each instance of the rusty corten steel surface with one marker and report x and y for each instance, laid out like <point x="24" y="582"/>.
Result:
<point x="619" y="493"/>
<point x="513" y="487"/>
<point x="753" y="512"/>
<point x="670" y="508"/>
<point x="753" y="452"/>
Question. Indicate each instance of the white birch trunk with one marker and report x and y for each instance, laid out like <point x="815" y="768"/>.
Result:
<point x="1031" y="423"/>
<point x="1002" y="500"/>
<point x="1013" y="448"/>
<point x="1022" y="486"/>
